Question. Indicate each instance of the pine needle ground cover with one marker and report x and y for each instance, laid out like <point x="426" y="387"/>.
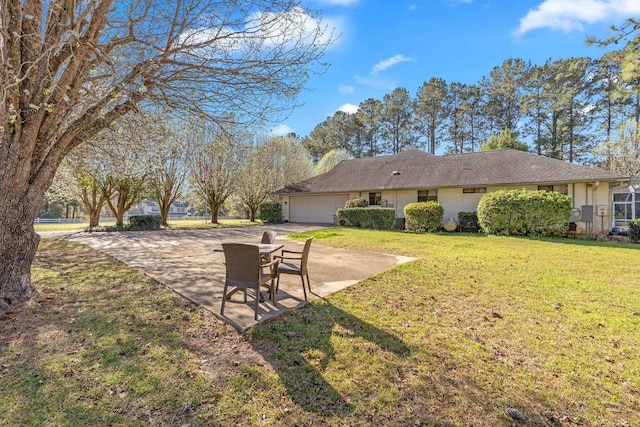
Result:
<point x="476" y="331"/>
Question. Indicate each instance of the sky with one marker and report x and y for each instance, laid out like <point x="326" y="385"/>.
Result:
<point x="384" y="44"/>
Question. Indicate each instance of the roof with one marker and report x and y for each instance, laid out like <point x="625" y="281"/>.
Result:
<point x="412" y="169"/>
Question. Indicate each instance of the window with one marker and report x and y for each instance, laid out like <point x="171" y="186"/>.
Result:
<point x="474" y="190"/>
<point x="562" y="189"/>
<point x="623" y="208"/>
<point x="428" y="196"/>
<point x="375" y="199"/>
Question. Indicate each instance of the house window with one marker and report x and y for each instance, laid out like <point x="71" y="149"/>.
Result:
<point x="625" y="208"/>
<point x="375" y="199"/>
<point x="562" y="189"/>
<point x="428" y="196"/>
<point x="474" y="190"/>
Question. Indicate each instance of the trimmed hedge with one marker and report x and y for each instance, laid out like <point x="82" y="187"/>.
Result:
<point x="144" y="222"/>
<point x="423" y="217"/>
<point x="358" y="202"/>
<point x="634" y="230"/>
<point x="270" y="212"/>
<point x="522" y="212"/>
<point x="376" y="218"/>
<point x="468" y="221"/>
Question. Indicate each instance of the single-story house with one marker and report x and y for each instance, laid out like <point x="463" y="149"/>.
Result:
<point x="456" y="181"/>
<point x="150" y="207"/>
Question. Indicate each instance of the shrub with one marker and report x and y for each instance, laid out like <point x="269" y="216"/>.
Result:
<point x="634" y="230"/>
<point x="270" y="212"/>
<point x="522" y="212"/>
<point x="358" y="202"/>
<point x="468" y="221"/>
<point x="423" y="216"/>
<point x="144" y="222"/>
<point x="376" y="218"/>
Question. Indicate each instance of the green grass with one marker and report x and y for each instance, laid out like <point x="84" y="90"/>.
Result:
<point x="475" y="325"/>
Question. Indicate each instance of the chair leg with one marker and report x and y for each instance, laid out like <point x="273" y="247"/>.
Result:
<point x="304" y="289"/>
<point x="224" y="298"/>
<point x="308" y="282"/>
<point x="272" y="290"/>
<point x="257" y="302"/>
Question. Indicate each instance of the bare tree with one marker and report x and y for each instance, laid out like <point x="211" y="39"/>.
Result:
<point x="90" y="177"/>
<point x="171" y="168"/>
<point x="68" y="69"/>
<point x="217" y="160"/>
<point x="270" y="166"/>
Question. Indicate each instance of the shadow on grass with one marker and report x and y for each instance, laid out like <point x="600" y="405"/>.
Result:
<point x="299" y="347"/>
<point x="98" y="346"/>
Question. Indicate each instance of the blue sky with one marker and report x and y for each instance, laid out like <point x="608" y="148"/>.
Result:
<point x="384" y="44"/>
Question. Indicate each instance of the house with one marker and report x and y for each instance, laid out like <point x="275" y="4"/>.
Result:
<point x="150" y="207"/>
<point x="456" y="181"/>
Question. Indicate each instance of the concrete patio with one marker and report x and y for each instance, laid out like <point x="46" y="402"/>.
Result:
<point x="185" y="261"/>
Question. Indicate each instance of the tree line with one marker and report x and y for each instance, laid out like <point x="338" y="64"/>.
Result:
<point x="577" y="109"/>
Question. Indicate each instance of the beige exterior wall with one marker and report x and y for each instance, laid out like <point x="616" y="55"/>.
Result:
<point x="453" y="200"/>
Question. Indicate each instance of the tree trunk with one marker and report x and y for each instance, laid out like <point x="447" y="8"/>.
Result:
<point x="94" y="202"/>
<point x="214" y="215"/>
<point x="18" y="243"/>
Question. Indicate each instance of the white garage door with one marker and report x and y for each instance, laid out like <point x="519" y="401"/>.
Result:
<point x="315" y="209"/>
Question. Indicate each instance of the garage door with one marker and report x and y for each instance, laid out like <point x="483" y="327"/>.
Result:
<point x="315" y="209"/>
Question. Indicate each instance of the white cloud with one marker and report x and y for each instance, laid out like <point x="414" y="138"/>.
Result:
<point x="281" y="130"/>
<point x="387" y="63"/>
<point x="348" y="108"/>
<point x="346" y="89"/>
<point x="570" y="15"/>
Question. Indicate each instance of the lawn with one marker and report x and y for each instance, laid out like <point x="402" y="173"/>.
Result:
<point x="476" y="325"/>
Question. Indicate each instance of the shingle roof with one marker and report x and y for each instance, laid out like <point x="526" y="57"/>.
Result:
<point x="416" y="169"/>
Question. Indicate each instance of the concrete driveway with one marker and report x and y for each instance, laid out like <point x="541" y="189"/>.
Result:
<point x="185" y="261"/>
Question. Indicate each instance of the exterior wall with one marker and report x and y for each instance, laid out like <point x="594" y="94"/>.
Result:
<point x="596" y="196"/>
<point x="453" y="200"/>
<point x="401" y="198"/>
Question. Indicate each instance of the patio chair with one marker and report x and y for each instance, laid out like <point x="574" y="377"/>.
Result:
<point x="244" y="270"/>
<point x="298" y="269"/>
<point x="268" y="237"/>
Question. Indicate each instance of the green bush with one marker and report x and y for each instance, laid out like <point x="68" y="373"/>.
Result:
<point x="423" y="217"/>
<point x="634" y="230"/>
<point x="468" y="221"/>
<point x="375" y="218"/>
<point x="144" y="222"/>
<point x="522" y="212"/>
<point x="358" y="202"/>
<point x="270" y="212"/>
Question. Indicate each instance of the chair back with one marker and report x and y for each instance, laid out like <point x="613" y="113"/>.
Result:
<point x="269" y="237"/>
<point x="242" y="264"/>
<point x="305" y="255"/>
